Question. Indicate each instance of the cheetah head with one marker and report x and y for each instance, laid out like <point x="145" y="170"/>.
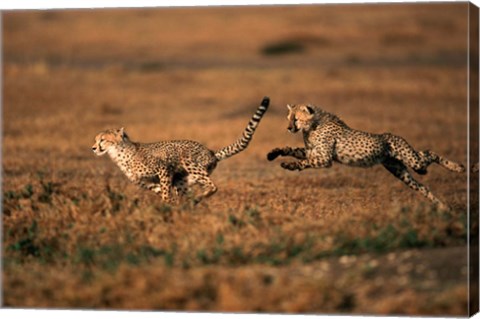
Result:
<point x="106" y="139"/>
<point x="300" y="117"/>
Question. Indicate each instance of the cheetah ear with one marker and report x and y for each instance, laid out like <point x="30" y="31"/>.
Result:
<point x="310" y="109"/>
<point x="289" y="107"/>
<point x="122" y="133"/>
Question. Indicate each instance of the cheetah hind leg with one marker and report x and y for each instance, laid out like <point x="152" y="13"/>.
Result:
<point x="205" y="182"/>
<point x="181" y="191"/>
<point x="431" y="157"/>
<point x="418" y="161"/>
<point x="400" y="171"/>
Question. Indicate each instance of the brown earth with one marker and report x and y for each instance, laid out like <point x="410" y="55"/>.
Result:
<point x="77" y="234"/>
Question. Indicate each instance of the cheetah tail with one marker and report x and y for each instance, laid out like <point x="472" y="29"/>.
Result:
<point x="242" y="142"/>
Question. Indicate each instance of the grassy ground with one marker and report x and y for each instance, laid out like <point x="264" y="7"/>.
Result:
<point x="77" y="234"/>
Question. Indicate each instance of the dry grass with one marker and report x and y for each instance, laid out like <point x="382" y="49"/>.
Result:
<point x="78" y="234"/>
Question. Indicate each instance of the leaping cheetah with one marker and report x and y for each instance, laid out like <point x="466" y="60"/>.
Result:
<point x="169" y="166"/>
<point x="328" y="139"/>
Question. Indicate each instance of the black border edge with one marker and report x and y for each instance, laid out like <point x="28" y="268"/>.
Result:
<point x="473" y="157"/>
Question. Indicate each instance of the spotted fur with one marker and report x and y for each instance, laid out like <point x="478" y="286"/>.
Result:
<point x="328" y="139"/>
<point x="169" y="168"/>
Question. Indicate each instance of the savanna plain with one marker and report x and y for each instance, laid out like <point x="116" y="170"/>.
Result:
<point x="77" y="234"/>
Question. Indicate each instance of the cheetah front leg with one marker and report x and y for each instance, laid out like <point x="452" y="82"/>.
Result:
<point x="400" y="171"/>
<point x="298" y="153"/>
<point x="319" y="157"/>
<point x="163" y="185"/>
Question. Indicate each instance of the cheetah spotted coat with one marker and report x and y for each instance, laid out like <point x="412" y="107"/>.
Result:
<point x="169" y="168"/>
<point x="328" y="139"/>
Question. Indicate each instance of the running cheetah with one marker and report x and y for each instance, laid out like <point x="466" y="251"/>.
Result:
<point x="171" y="166"/>
<point x="328" y="139"/>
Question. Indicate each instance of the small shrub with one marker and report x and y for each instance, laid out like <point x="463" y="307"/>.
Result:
<point x="253" y="215"/>
<point x="386" y="239"/>
<point x="85" y="256"/>
<point x="10" y="195"/>
<point x="27" y="191"/>
<point x="169" y="259"/>
<point x="219" y="239"/>
<point x="235" y="221"/>
<point x="32" y="245"/>
<point x="115" y="198"/>
<point x="26" y="247"/>
<point x="410" y="239"/>
<point x="151" y="66"/>
<point x="48" y="189"/>
<point x="283" y="48"/>
<point x="237" y="256"/>
<point x="163" y="208"/>
<point x="110" y="257"/>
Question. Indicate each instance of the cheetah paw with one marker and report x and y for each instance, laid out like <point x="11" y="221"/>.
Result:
<point x="273" y="154"/>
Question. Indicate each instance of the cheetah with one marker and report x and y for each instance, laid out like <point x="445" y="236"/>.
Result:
<point x="169" y="168"/>
<point x="328" y="139"/>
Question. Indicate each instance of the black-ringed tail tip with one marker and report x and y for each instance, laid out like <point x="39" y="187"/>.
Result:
<point x="265" y="101"/>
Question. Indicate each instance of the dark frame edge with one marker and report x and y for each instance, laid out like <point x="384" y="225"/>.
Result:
<point x="473" y="157"/>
